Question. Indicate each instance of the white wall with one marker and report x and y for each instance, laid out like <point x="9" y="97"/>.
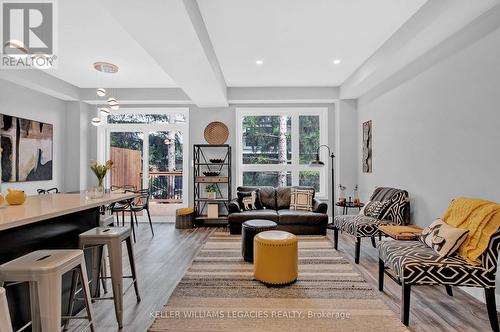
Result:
<point x="77" y="146"/>
<point x="22" y="102"/>
<point x="437" y="135"/>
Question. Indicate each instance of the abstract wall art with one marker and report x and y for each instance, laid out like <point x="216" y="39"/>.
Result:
<point x="26" y="149"/>
<point x="367" y="147"/>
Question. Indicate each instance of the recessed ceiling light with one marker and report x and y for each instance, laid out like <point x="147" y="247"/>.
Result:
<point x="337" y="61"/>
<point x="259" y="62"/>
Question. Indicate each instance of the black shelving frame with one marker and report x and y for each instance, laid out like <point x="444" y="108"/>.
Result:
<point x="201" y="163"/>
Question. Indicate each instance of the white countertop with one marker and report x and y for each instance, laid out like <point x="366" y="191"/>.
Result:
<point x="42" y="207"/>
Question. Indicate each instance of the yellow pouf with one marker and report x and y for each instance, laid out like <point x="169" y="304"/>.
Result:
<point x="275" y="257"/>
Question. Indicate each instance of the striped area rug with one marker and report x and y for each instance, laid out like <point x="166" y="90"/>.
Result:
<point x="218" y="293"/>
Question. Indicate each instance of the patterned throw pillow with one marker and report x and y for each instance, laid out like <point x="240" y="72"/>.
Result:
<point x="301" y="199"/>
<point x="397" y="209"/>
<point x="376" y="209"/>
<point x="249" y="200"/>
<point x="443" y="238"/>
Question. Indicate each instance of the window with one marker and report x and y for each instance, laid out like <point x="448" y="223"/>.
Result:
<point x="148" y="148"/>
<point x="278" y="145"/>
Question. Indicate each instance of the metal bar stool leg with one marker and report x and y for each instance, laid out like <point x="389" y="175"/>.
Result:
<point x="86" y="293"/>
<point x="5" y="323"/>
<point x="115" y="263"/>
<point x="35" y="313"/>
<point x="71" y="304"/>
<point x="49" y="300"/>
<point x="130" y="250"/>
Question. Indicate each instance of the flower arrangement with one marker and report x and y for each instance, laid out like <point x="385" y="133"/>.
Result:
<point x="100" y="170"/>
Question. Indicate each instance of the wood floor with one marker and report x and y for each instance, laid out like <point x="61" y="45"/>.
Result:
<point x="162" y="260"/>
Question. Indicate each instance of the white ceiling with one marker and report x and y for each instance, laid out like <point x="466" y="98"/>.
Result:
<point x="298" y="39"/>
<point x="88" y="33"/>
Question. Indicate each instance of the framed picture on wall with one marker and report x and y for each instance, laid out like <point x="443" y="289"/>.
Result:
<point x="367" y="147"/>
<point x="26" y="149"/>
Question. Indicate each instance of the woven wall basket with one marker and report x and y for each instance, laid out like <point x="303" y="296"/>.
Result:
<point x="216" y="133"/>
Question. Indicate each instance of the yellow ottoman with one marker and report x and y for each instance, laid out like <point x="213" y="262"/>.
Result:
<point x="275" y="257"/>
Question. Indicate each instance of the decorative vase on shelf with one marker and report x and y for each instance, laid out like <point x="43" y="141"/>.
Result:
<point x="355" y="196"/>
<point x="342" y="196"/>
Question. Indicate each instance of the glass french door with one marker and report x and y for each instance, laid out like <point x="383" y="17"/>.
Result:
<point x="150" y="158"/>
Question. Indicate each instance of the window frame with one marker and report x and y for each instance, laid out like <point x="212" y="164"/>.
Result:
<point x="295" y="167"/>
<point x="104" y="131"/>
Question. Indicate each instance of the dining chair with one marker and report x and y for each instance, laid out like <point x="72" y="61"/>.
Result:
<point x="47" y="191"/>
<point x="143" y="205"/>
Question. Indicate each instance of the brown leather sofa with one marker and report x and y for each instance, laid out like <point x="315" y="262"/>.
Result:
<point x="277" y="208"/>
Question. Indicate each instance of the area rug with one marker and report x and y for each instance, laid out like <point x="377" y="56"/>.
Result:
<point x="218" y="293"/>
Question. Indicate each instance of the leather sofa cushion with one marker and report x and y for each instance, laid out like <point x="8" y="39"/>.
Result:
<point x="241" y="217"/>
<point x="290" y="217"/>
<point x="267" y="195"/>
<point x="283" y="196"/>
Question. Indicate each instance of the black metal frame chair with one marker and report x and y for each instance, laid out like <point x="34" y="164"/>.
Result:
<point x="142" y="205"/>
<point x="47" y="191"/>
<point x="413" y="264"/>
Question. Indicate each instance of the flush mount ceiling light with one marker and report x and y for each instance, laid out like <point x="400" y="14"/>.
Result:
<point x="96" y="121"/>
<point x="104" y="111"/>
<point x="101" y="92"/>
<point x="337" y="61"/>
<point x="113" y="104"/>
<point x="106" y="67"/>
<point x="259" y="62"/>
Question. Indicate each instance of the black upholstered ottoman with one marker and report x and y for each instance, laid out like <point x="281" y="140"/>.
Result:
<point x="249" y="229"/>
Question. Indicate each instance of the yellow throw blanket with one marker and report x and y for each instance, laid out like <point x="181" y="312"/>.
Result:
<point x="480" y="217"/>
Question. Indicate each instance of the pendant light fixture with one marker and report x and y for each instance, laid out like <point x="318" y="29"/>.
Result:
<point x="104" y="111"/>
<point x="96" y="121"/>
<point x="112" y="103"/>
<point x="101" y="92"/>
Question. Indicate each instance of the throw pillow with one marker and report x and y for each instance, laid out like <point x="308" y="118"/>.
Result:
<point x="443" y="238"/>
<point x="301" y="199"/>
<point x="376" y="209"/>
<point x="362" y="211"/>
<point x="249" y="200"/>
<point x="397" y="209"/>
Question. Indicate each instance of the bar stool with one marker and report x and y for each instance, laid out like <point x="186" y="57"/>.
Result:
<point x="5" y="323"/>
<point x="112" y="238"/>
<point x="43" y="270"/>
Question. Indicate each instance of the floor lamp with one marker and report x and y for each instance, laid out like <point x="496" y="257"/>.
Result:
<point x="318" y="162"/>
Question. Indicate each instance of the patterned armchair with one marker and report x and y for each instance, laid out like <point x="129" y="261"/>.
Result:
<point x="359" y="226"/>
<point x="414" y="263"/>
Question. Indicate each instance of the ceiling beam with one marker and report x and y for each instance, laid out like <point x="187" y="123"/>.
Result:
<point x="432" y="24"/>
<point x="278" y="95"/>
<point x="42" y="82"/>
<point x="184" y="50"/>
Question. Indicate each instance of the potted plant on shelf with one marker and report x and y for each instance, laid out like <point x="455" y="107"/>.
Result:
<point x="211" y="190"/>
<point x="100" y="172"/>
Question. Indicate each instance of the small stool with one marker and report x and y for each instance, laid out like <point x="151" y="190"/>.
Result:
<point x="275" y="257"/>
<point x="43" y="270"/>
<point x="112" y="238"/>
<point x="249" y="229"/>
<point x="5" y="323"/>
